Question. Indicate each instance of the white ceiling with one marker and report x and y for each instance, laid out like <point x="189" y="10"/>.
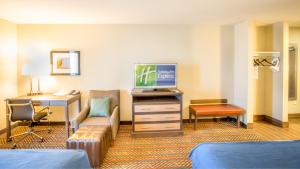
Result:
<point x="148" y="11"/>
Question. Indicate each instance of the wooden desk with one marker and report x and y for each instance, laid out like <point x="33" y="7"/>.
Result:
<point x="212" y="110"/>
<point x="48" y="100"/>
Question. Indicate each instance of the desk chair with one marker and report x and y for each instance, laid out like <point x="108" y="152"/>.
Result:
<point x="23" y="110"/>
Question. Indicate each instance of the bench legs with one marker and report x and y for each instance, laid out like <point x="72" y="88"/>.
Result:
<point x="195" y="122"/>
<point x="238" y="121"/>
<point x="190" y="115"/>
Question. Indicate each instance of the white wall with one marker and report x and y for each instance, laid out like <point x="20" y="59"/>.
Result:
<point x="280" y="79"/>
<point x="8" y="66"/>
<point x="204" y="54"/>
<point x="243" y="68"/>
<point x="294" y="106"/>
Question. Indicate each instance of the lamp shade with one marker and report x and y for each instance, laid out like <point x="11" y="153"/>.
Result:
<point x="26" y="70"/>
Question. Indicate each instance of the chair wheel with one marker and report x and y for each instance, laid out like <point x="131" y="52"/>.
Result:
<point x="14" y="146"/>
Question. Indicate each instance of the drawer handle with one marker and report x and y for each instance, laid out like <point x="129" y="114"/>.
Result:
<point x="168" y="127"/>
<point x="171" y="108"/>
<point x="146" y="118"/>
<point x="170" y="117"/>
<point x="145" y="109"/>
<point x="145" y="128"/>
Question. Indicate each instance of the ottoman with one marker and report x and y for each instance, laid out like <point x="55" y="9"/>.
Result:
<point x="95" y="140"/>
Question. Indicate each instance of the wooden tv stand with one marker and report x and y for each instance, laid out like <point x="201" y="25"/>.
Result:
<point x="156" y="113"/>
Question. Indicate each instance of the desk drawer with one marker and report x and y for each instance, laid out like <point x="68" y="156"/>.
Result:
<point x="41" y="102"/>
<point x="157" y="126"/>
<point x="157" y="108"/>
<point x="157" y="117"/>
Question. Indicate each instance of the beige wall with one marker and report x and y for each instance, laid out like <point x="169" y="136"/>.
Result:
<point x="294" y="106"/>
<point x="8" y="65"/>
<point x="271" y="87"/>
<point x="263" y="78"/>
<point x="204" y="54"/>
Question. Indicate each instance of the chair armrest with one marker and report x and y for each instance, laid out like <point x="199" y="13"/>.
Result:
<point x="114" y="122"/>
<point x="47" y="108"/>
<point x="43" y="109"/>
<point x="79" y="118"/>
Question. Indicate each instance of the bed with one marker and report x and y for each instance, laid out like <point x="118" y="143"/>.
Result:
<point x="277" y="154"/>
<point x="48" y="159"/>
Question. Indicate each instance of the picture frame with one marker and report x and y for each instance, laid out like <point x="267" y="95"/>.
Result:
<point x="65" y="63"/>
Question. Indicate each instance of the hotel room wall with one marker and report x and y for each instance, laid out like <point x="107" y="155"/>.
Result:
<point x="244" y="44"/>
<point x="108" y="53"/>
<point x="8" y="66"/>
<point x="294" y="106"/>
<point x="263" y="81"/>
<point x="280" y="79"/>
<point x="271" y="87"/>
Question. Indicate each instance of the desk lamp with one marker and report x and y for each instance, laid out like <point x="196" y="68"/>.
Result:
<point x="27" y="71"/>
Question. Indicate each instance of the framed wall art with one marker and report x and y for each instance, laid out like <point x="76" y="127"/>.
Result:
<point x="65" y="63"/>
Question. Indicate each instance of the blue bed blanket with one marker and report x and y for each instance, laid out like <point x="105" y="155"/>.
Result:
<point x="277" y="154"/>
<point x="44" y="159"/>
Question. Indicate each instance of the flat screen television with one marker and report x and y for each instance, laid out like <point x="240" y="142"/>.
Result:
<point x="155" y="76"/>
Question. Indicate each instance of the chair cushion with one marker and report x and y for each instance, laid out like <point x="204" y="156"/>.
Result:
<point x="39" y="116"/>
<point x="93" y="121"/>
<point x="99" y="107"/>
<point x="114" y="96"/>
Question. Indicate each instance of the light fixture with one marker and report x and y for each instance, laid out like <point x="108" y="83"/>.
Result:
<point x="27" y="71"/>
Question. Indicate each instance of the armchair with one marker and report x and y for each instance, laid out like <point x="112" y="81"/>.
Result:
<point x="113" y="120"/>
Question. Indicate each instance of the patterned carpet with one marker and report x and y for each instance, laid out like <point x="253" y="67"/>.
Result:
<point x="170" y="152"/>
<point x="155" y="152"/>
<point x="56" y="139"/>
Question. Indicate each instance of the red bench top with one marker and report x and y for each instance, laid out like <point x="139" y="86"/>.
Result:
<point x="216" y="109"/>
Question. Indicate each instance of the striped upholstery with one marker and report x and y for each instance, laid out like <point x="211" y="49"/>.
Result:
<point x="95" y="140"/>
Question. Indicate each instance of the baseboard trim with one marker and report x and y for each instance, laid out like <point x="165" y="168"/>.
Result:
<point x="187" y="120"/>
<point x="296" y="115"/>
<point x="44" y="123"/>
<point x="249" y="126"/>
<point x="276" y="122"/>
<point x="271" y="120"/>
<point x="258" y="118"/>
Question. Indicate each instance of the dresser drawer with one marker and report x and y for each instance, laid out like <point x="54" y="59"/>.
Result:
<point x="157" y="108"/>
<point x="156" y="117"/>
<point x="157" y="126"/>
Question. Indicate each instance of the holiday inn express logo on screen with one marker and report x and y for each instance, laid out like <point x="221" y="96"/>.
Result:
<point x="145" y="75"/>
<point x="154" y="75"/>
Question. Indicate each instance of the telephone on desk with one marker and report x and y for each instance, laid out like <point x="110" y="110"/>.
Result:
<point x="66" y="92"/>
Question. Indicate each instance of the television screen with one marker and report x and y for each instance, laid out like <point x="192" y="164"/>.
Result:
<point x="155" y="75"/>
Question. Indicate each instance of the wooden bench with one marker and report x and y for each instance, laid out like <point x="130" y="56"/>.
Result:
<point x="213" y="108"/>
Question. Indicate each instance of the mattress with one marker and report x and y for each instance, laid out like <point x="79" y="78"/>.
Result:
<point x="44" y="159"/>
<point x="277" y="154"/>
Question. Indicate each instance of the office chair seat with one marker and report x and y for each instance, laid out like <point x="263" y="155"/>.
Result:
<point x="39" y="116"/>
